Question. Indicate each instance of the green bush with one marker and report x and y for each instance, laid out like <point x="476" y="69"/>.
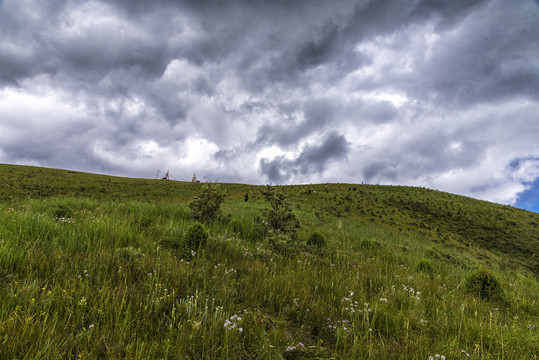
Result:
<point x="317" y="239"/>
<point x="483" y="284"/>
<point x="284" y="244"/>
<point x="279" y="218"/>
<point x="63" y="212"/>
<point x="425" y="265"/>
<point x="207" y="207"/>
<point x="195" y="237"/>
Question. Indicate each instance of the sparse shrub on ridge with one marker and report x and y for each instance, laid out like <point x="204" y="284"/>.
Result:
<point x="483" y="284"/>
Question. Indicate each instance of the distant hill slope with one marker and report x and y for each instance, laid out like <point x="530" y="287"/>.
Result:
<point x="483" y="228"/>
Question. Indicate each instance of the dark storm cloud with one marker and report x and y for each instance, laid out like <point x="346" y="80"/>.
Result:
<point x="498" y="65"/>
<point x="40" y="145"/>
<point x="312" y="160"/>
<point x="423" y="154"/>
<point x="55" y="38"/>
<point x="316" y="114"/>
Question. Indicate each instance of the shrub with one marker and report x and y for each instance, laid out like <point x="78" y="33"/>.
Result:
<point x="284" y="244"/>
<point x="369" y="245"/>
<point x="207" y="207"/>
<point x="195" y="237"/>
<point x="63" y="212"/>
<point x="317" y="239"/>
<point x="425" y="265"/>
<point x="483" y="284"/>
<point x="279" y="218"/>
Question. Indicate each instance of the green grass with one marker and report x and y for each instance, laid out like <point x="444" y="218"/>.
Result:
<point x="100" y="282"/>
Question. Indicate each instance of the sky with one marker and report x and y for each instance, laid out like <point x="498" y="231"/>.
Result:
<point x="431" y="93"/>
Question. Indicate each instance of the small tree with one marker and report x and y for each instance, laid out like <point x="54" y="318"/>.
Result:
<point x="207" y="206"/>
<point x="279" y="218"/>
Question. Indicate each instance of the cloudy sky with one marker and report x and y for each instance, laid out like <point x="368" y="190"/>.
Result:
<point x="434" y="93"/>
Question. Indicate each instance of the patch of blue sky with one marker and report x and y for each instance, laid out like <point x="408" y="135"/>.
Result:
<point x="529" y="199"/>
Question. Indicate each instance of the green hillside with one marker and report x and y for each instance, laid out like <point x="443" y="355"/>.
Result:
<point x="100" y="267"/>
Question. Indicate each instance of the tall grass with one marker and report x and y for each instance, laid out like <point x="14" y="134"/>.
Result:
<point x="101" y="284"/>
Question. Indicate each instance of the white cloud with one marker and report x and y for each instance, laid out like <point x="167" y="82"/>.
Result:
<point x="391" y="92"/>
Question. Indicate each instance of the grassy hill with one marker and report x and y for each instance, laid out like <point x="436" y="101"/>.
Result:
<point x="97" y="267"/>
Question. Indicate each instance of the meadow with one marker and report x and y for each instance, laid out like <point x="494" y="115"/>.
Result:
<point x="101" y="267"/>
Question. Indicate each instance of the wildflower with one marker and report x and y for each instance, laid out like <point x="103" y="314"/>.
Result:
<point x="383" y="299"/>
<point x="290" y="348"/>
<point x="91" y="326"/>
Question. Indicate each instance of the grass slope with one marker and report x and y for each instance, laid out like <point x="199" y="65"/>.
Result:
<point x="85" y="272"/>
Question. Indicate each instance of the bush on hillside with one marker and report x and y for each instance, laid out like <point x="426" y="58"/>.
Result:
<point x="195" y="237"/>
<point x="207" y="206"/>
<point x="483" y="284"/>
<point x="425" y="265"/>
<point x="279" y="218"/>
<point x="284" y="244"/>
<point x="317" y="239"/>
<point x="63" y="212"/>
